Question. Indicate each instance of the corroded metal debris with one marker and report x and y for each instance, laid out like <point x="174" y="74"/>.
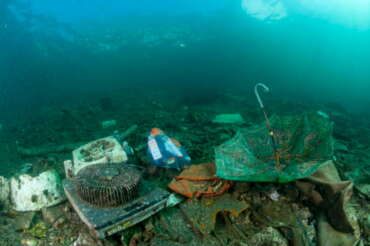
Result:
<point x="108" y="185"/>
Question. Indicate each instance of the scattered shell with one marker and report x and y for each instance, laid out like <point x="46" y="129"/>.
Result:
<point x="274" y="195"/>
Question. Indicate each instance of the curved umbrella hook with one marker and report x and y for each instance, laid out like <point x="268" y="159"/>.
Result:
<point x="268" y="124"/>
<point x="266" y="89"/>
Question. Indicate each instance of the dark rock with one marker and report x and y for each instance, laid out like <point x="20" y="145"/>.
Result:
<point x="24" y="221"/>
<point x="52" y="214"/>
<point x="366" y="226"/>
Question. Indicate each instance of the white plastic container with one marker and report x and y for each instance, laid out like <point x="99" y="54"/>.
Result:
<point x="29" y="193"/>
<point x="101" y="151"/>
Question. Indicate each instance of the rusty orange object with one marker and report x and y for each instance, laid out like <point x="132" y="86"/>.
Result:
<point x="156" y="131"/>
<point x="199" y="181"/>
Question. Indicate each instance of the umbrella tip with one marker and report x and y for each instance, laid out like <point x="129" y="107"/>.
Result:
<point x="265" y="87"/>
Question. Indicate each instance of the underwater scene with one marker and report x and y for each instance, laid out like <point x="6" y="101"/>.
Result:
<point x="185" y="122"/>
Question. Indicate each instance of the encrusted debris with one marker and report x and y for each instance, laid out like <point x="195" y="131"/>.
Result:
<point x="202" y="214"/>
<point x="268" y="236"/>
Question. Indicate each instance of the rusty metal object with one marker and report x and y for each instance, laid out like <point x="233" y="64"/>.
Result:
<point x="108" y="185"/>
<point x="109" y="220"/>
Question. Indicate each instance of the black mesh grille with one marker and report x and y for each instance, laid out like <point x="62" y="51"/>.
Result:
<point x="108" y="185"/>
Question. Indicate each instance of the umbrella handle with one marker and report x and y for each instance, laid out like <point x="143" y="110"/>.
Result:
<point x="268" y="124"/>
<point x="266" y="89"/>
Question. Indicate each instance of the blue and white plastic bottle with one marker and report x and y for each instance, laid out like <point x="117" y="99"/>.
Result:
<point x="166" y="152"/>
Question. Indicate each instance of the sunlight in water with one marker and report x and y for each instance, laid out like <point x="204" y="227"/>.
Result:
<point x="265" y="9"/>
<point x="355" y="13"/>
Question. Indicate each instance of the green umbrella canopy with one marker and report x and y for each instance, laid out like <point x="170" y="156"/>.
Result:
<point x="303" y="144"/>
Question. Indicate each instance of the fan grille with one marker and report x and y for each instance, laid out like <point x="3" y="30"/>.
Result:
<point x="108" y="185"/>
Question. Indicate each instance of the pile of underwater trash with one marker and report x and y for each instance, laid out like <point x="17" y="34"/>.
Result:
<point x="261" y="189"/>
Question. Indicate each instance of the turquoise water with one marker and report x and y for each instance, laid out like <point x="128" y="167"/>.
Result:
<point x="68" y="66"/>
<point x="74" y="48"/>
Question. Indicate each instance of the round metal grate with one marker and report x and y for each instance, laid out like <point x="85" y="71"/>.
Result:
<point x="108" y="185"/>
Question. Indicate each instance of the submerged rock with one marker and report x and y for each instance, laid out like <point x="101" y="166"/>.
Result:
<point x="173" y="229"/>
<point x="268" y="236"/>
<point x="24" y="221"/>
<point x="39" y="230"/>
<point x="340" y="146"/>
<point x="202" y="214"/>
<point x="85" y="239"/>
<point x="366" y="226"/>
<point x="52" y="214"/>
<point x="364" y="188"/>
<point x="293" y="220"/>
<point x="4" y="192"/>
<point x="29" y="242"/>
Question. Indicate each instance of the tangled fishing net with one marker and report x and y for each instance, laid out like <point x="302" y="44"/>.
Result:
<point x="299" y="146"/>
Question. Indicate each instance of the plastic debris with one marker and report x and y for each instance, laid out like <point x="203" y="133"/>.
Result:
<point x="34" y="193"/>
<point x="199" y="180"/>
<point x="121" y="136"/>
<point x="337" y="219"/>
<point x="101" y="151"/>
<point x="166" y="152"/>
<point x="108" y="123"/>
<point x="328" y="236"/>
<point x="173" y="200"/>
<point x="323" y="114"/>
<point x="127" y="148"/>
<point x="229" y="119"/>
